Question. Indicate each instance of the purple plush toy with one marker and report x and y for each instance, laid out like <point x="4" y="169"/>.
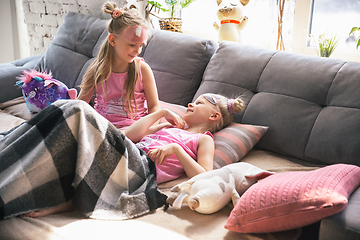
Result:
<point x="40" y="90"/>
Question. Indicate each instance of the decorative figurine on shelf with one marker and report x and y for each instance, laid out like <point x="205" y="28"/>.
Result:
<point x="40" y="90"/>
<point x="232" y="19"/>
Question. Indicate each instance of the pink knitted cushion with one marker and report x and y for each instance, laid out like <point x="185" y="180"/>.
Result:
<point x="294" y="199"/>
<point x="231" y="143"/>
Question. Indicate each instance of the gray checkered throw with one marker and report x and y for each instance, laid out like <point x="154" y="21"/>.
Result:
<point x="68" y="151"/>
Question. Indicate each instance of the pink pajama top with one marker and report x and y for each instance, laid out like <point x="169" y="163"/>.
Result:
<point x="112" y="105"/>
<point x="171" y="168"/>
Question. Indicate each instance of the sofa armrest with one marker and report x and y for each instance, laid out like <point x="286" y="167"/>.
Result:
<point x="8" y="74"/>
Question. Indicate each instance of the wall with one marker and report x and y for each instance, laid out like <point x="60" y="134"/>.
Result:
<point x="8" y="34"/>
<point x="40" y="19"/>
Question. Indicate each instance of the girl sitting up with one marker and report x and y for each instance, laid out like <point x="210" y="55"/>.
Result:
<point x="124" y="83"/>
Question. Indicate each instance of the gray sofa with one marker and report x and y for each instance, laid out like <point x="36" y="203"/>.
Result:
<point x="311" y="106"/>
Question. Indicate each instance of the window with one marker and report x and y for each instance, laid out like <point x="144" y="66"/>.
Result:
<point x="336" y="18"/>
<point x="329" y="17"/>
<point x="261" y="29"/>
<point x="198" y="18"/>
<point x="301" y="18"/>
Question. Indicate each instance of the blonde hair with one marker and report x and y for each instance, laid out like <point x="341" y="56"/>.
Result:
<point x="101" y="68"/>
<point x="227" y="108"/>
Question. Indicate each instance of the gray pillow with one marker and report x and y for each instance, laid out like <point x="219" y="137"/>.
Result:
<point x="8" y="74"/>
<point x="178" y="61"/>
<point x="73" y="48"/>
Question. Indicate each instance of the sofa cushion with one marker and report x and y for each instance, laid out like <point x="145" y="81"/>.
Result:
<point x="9" y="121"/>
<point x="235" y="141"/>
<point x="8" y="74"/>
<point x="17" y="107"/>
<point x="178" y="62"/>
<point x="294" y="199"/>
<point x="13" y="113"/>
<point x="73" y="48"/>
<point x="231" y="143"/>
<point x="309" y="103"/>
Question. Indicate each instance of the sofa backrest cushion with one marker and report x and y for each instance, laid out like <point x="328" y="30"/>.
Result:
<point x="178" y="62"/>
<point x="73" y="48"/>
<point x="310" y="104"/>
<point x="9" y="73"/>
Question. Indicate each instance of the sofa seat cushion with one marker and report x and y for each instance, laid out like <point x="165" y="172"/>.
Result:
<point x="73" y="226"/>
<point x="9" y="121"/>
<point x="273" y="162"/>
<point x="13" y="113"/>
<point x="345" y="224"/>
<point x="17" y="107"/>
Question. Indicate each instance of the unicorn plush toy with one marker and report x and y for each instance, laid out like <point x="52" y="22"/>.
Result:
<point x="40" y="90"/>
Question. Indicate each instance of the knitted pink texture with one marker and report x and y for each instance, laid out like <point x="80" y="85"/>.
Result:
<point x="291" y="200"/>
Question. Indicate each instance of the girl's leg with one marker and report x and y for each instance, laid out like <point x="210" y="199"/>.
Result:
<point x="65" y="207"/>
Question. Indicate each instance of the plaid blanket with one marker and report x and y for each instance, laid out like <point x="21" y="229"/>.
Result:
<point x="68" y="151"/>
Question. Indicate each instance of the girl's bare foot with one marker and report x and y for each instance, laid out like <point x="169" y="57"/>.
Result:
<point x="66" y="207"/>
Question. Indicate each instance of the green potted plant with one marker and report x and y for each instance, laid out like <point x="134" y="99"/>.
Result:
<point x="354" y="29"/>
<point x="175" y="6"/>
<point x="325" y="45"/>
<point x="172" y="23"/>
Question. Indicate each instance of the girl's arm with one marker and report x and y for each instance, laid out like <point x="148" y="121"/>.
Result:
<point x="205" y="155"/>
<point x="85" y="96"/>
<point x="141" y="127"/>
<point x="150" y="89"/>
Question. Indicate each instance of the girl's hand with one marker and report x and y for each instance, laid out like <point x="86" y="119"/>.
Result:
<point x="160" y="154"/>
<point x="174" y="119"/>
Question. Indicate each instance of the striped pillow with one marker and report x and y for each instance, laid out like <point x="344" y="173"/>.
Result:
<point x="231" y="143"/>
<point x="235" y="141"/>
